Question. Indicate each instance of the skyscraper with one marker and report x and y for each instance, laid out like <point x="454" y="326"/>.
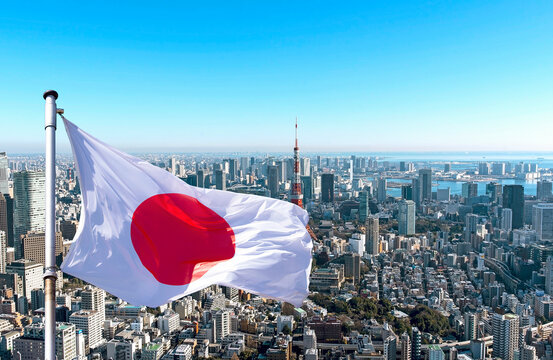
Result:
<point x="307" y="187"/>
<point x="3" y="241"/>
<point x="352" y="268"/>
<point x="32" y="247"/>
<point x="549" y="275"/>
<point x="494" y="191"/>
<point x="407" y="192"/>
<point x="201" y="178"/>
<point x="405" y="347"/>
<point x="372" y="236"/>
<point x="4" y="172"/>
<point x="513" y="198"/>
<point x="543" y="190"/>
<point x="363" y="205"/>
<point x="272" y="180"/>
<point x="381" y="188"/>
<point x="220" y="180"/>
<point x="406" y="217"/>
<point x="233" y="169"/>
<point x="542" y="221"/>
<point x="90" y="322"/>
<point x="505" y="330"/>
<point x="507" y="219"/>
<point x="327" y="187"/>
<point x="29" y="205"/>
<point x="4" y="215"/>
<point x="425" y="183"/>
<point x="416" y="342"/>
<point x="469" y="190"/>
<point x="471" y="221"/>
<point x="296" y="196"/>
<point x="471" y="326"/>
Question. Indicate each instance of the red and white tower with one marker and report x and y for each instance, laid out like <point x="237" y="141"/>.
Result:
<point x="297" y="197"/>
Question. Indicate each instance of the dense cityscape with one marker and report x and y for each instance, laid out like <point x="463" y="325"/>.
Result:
<point x="423" y="259"/>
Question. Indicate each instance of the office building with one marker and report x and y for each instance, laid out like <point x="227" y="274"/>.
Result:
<point x="471" y="326"/>
<point x="548" y="269"/>
<point x="425" y="184"/>
<point x="372" y="237"/>
<point x="484" y="168"/>
<point x="200" y="178"/>
<point x="406" y="217"/>
<point x="272" y="180"/>
<point x="327" y="187"/>
<point x="90" y="322"/>
<point x="352" y="267"/>
<point x="3" y="248"/>
<point x="221" y="324"/>
<point x="528" y="352"/>
<point x="447" y="167"/>
<point x="220" y="180"/>
<point x="543" y="190"/>
<point x="29" y="205"/>
<point x="363" y="205"/>
<point x="31" y="345"/>
<point x="507" y="219"/>
<point x="381" y="188"/>
<point x="505" y="331"/>
<point x="469" y="190"/>
<point x="169" y="322"/>
<point x="498" y="169"/>
<point x="233" y="169"/>
<point x="443" y="194"/>
<point x="494" y="191"/>
<point x="4" y="174"/>
<point x="407" y="192"/>
<point x="32" y="247"/>
<point x="513" y="198"/>
<point x="471" y="224"/>
<point x="30" y="274"/>
<point x="435" y="352"/>
<point x="93" y="298"/>
<point x="542" y="221"/>
<point x="307" y="187"/>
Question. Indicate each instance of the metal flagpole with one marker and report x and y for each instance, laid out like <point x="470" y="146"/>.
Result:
<point x="50" y="276"/>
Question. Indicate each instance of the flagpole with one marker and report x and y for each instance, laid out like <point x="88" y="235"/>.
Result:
<point x="50" y="276"/>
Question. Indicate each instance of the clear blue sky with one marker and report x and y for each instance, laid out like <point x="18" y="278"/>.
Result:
<point x="231" y="76"/>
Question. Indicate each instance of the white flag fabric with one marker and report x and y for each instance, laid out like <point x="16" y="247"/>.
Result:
<point x="148" y="237"/>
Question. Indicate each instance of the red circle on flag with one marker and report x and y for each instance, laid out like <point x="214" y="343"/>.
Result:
<point x="178" y="239"/>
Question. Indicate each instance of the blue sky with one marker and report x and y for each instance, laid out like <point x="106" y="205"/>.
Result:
<point x="224" y="76"/>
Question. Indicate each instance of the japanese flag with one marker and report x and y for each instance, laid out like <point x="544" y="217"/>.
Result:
<point x="148" y="237"/>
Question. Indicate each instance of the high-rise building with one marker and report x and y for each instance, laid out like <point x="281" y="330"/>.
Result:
<point x="405" y="347"/>
<point x="307" y="187"/>
<point x="406" y="217"/>
<point x="200" y="174"/>
<point x="37" y="299"/>
<point x="221" y="324"/>
<point x="505" y="331"/>
<point x="29" y="272"/>
<point x="469" y="190"/>
<point x="498" y="169"/>
<point x="507" y="219"/>
<point x="296" y="196"/>
<point x="544" y="190"/>
<point x="447" y="167"/>
<point x="32" y="247"/>
<point x="93" y="298"/>
<point x="233" y="169"/>
<point x="4" y="174"/>
<point x="443" y="194"/>
<point x="471" y="222"/>
<point x="29" y="205"/>
<point x="3" y="250"/>
<point x="513" y="198"/>
<point x="407" y="192"/>
<point x="327" y="187"/>
<point x="484" y="168"/>
<point x="390" y="347"/>
<point x="220" y="180"/>
<point x="352" y="267"/>
<point x="494" y="191"/>
<point x="381" y="187"/>
<point x="542" y="221"/>
<point x="416" y="342"/>
<point x="363" y="205"/>
<point x="425" y="183"/>
<point x="528" y="352"/>
<point x="272" y="180"/>
<point x="471" y="326"/>
<point x="416" y="191"/>
<point x="90" y="322"/>
<point x="548" y="267"/>
<point x="4" y="216"/>
<point x="372" y="236"/>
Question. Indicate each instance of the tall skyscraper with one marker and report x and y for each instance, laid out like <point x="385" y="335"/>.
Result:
<point x="507" y="219"/>
<point x="505" y="330"/>
<point x="272" y="180"/>
<point x="498" y="169"/>
<point x="307" y="187"/>
<point x="233" y="169"/>
<point x="4" y="216"/>
<point x="31" y="344"/>
<point x="405" y="347"/>
<point x="416" y="342"/>
<point x="201" y="178"/>
<point x="406" y="217"/>
<point x="372" y="236"/>
<point x="528" y="352"/>
<point x="221" y="324"/>
<point x="513" y="198"/>
<point x="327" y="187"/>
<point x="425" y="183"/>
<point x="407" y="192"/>
<point x="220" y="180"/>
<point x="447" y="167"/>
<point x="469" y="190"/>
<point x="542" y="221"/>
<point x="363" y="205"/>
<point x="543" y="190"/>
<point x="297" y="197"/>
<point x="548" y="267"/>
<point x="29" y="272"/>
<point x="494" y="191"/>
<point x="381" y="188"/>
<point x="471" y="326"/>
<point x="3" y="242"/>
<point x="352" y="267"/>
<point x="4" y="173"/>
<point x="484" y="168"/>
<point x="471" y="222"/>
<point x="29" y="205"/>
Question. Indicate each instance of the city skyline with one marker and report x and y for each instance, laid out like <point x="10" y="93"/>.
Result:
<point x="370" y="77"/>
